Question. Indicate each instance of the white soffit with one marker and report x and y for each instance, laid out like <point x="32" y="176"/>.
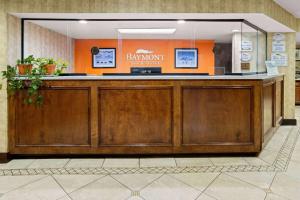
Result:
<point x="292" y="6"/>
<point x="264" y="22"/>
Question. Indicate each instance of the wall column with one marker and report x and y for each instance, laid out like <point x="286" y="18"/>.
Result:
<point x="3" y="95"/>
<point x="289" y="72"/>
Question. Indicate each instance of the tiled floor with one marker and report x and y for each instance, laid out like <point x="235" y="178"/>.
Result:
<point x="273" y="175"/>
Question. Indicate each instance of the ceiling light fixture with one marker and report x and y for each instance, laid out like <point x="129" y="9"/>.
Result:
<point x="236" y="30"/>
<point x="147" y="30"/>
<point x="82" y="21"/>
<point x="180" y="21"/>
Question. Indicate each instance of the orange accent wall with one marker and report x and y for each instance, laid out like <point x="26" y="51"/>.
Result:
<point x="83" y="56"/>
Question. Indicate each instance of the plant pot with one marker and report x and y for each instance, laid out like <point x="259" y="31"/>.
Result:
<point x="24" y="68"/>
<point x="49" y="69"/>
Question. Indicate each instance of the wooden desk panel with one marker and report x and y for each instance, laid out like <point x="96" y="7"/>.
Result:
<point x="63" y="119"/>
<point x="297" y="95"/>
<point x="135" y="116"/>
<point x="146" y="117"/>
<point x="216" y="115"/>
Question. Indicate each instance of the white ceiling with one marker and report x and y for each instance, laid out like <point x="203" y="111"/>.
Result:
<point x="218" y="31"/>
<point x="292" y="6"/>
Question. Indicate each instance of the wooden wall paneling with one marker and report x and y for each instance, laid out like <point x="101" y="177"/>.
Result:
<point x="257" y="113"/>
<point x="11" y="122"/>
<point x="63" y="119"/>
<point x="177" y="114"/>
<point x="268" y="108"/>
<point x="297" y="90"/>
<point x="278" y="102"/>
<point x="145" y="117"/>
<point x="217" y="114"/>
<point x="94" y="117"/>
<point x="138" y="115"/>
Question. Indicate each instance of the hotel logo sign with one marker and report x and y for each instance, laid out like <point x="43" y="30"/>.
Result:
<point x="144" y="57"/>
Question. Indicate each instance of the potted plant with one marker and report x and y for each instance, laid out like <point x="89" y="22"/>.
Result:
<point x="32" y="83"/>
<point x="13" y="83"/>
<point x="48" y="65"/>
<point x="60" y="67"/>
<point x="25" y="65"/>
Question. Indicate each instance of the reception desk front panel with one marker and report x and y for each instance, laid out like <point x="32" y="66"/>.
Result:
<point x="169" y="116"/>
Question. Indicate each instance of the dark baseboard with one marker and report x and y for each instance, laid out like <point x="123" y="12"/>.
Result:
<point x="4" y="157"/>
<point x="289" y="122"/>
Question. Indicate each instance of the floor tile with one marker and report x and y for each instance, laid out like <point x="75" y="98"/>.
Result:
<point x="105" y="189"/>
<point x="183" y="162"/>
<point x="286" y="186"/>
<point x="135" y="198"/>
<point x="45" y="189"/>
<point x="296" y="156"/>
<point x="259" y="179"/>
<point x="166" y="188"/>
<point x="136" y="181"/>
<point x="17" y="164"/>
<point x="157" y="162"/>
<point x="49" y="163"/>
<point x="205" y="197"/>
<point x="74" y="182"/>
<point x="271" y="196"/>
<point x="293" y="169"/>
<point x="65" y="198"/>
<point x="197" y="180"/>
<point x="84" y="163"/>
<point x="255" y="161"/>
<point x="121" y="162"/>
<point x="228" y="188"/>
<point x="268" y="156"/>
<point x="228" y="161"/>
<point x="8" y="183"/>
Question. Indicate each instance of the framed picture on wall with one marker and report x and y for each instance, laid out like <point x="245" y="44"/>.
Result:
<point x="106" y="58"/>
<point x="297" y="54"/>
<point x="186" y="58"/>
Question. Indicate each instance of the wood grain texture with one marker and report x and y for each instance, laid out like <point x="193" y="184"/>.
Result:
<point x="268" y="107"/>
<point x="297" y="93"/>
<point x="135" y="116"/>
<point x="145" y="117"/>
<point x="272" y="107"/>
<point x="63" y="119"/>
<point x="278" y="100"/>
<point x="217" y="115"/>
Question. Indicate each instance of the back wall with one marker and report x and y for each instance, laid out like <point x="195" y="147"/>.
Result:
<point x="165" y="48"/>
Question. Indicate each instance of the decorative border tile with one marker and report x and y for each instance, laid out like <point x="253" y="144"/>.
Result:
<point x="280" y="164"/>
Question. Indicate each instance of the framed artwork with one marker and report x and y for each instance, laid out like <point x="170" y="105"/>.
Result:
<point x="298" y="54"/>
<point x="106" y="58"/>
<point x="186" y="58"/>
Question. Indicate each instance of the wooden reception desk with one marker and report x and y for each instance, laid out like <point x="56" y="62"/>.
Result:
<point x="148" y="115"/>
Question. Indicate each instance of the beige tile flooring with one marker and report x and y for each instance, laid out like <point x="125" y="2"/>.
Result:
<point x="273" y="175"/>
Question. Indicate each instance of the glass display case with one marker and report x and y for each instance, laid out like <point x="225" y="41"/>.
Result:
<point x="98" y="46"/>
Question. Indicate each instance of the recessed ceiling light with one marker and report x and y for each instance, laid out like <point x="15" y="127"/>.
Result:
<point x="181" y="21"/>
<point x="236" y="30"/>
<point x="82" y="21"/>
<point x="147" y="30"/>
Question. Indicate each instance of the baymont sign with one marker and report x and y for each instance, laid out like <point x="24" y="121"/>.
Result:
<point x="144" y="55"/>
